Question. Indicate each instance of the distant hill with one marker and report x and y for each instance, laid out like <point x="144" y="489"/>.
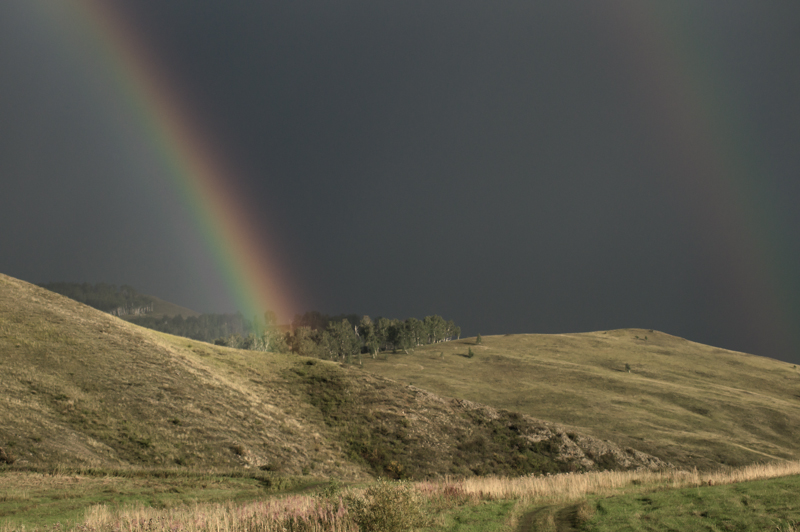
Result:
<point x="684" y="402"/>
<point x="82" y="387"/>
<point x="165" y="309"/>
<point x="152" y="312"/>
<point x="123" y="301"/>
<point x="116" y="300"/>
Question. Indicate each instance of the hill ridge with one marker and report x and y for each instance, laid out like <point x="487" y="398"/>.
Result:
<point x="685" y="402"/>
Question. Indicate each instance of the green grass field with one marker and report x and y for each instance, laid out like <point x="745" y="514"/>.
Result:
<point x="486" y="516"/>
<point x="753" y="498"/>
<point x="759" y="505"/>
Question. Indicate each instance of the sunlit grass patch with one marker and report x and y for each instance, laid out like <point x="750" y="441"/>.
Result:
<point x="484" y="516"/>
<point x="755" y="505"/>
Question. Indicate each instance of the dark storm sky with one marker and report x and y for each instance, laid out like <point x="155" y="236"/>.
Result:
<point x="515" y="166"/>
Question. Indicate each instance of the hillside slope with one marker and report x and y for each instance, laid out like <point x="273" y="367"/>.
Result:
<point x="687" y="403"/>
<point x="81" y="387"/>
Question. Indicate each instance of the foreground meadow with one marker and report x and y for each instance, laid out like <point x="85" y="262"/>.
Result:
<point x="757" y="497"/>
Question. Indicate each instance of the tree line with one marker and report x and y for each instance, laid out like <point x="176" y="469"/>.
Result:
<point x="339" y="337"/>
<point x="343" y="338"/>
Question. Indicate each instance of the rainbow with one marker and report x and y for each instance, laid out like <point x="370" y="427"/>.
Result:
<point x="678" y="99"/>
<point x="698" y="122"/>
<point x="206" y="185"/>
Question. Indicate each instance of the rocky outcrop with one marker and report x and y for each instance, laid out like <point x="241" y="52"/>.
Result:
<point x="582" y="452"/>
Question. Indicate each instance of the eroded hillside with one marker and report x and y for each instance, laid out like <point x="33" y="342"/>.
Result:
<point x="687" y="403"/>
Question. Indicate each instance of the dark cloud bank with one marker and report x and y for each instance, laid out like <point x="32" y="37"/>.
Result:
<point x="495" y="163"/>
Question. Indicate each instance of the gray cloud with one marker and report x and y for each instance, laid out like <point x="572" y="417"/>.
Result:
<point x="492" y="163"/>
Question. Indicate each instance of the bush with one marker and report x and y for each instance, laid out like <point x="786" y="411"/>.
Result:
<point x="470" y="354"/>
<point x="478" y="339"/>
<point x="386" y="506"/>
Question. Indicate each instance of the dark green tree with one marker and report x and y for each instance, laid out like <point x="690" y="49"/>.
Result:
<point x="306" y="342"/>
<point x="382" y="327"/>
<point x="453" y="331"/>
<point x="416" y="330"/>
<point x="342" y="341"/>
<point x="401" y="336"/>
<point x="435" y="328"/>
<point x="368" y="332"/>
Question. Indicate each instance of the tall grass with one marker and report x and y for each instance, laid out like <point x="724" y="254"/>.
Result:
<point x="574" y="486"/>
<point x="289" y="514"/>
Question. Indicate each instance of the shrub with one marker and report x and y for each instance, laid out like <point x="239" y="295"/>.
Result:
<point x="5" y="457"/>
<point x="470" y="354"/>
<point x="478" y="339"/>
<point x="386" y="506"/>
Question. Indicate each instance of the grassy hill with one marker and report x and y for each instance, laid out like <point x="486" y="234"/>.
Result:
<point x="84" y="388"/>
<point x="687" y="403"/>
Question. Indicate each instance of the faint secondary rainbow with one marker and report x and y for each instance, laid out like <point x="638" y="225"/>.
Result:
<point x="251" y="274"/>
<point x="700" y="124"/>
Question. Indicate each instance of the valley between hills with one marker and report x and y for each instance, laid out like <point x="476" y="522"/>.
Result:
<point x="83" y="392"/>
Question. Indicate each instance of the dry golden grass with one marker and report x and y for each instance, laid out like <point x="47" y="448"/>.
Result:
<point x="571" y="487"/>
<point x="686" y="403"/>
<point x="272" y="515"/>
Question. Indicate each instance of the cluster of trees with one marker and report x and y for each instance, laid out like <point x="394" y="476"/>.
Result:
<point x="103" y="296"/>
<point x="343" y="337"/>
<point x="348" y="337"/>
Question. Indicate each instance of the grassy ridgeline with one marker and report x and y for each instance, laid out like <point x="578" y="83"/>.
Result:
<point x="687" y="403"/>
